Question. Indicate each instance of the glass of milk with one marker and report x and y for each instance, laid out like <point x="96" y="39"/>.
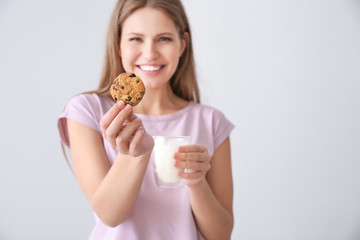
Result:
<point x="166" y="174"/>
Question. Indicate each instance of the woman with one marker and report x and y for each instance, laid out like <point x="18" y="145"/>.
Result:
<point x="111" y="144"/>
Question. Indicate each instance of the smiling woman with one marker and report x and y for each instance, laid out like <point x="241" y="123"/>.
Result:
<point x="111" y="144"/>
<point x="151" y="47"/>
<point x="286" y="72"/>
<point x="183" y="82"/>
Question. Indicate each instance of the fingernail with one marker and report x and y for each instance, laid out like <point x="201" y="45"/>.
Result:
<point x="127" y="107"/>
<point x="120" y="104"/>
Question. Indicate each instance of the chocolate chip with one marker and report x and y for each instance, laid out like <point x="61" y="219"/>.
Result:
<point x="115" y="98"/>
<point x="122" y="87"/>
<point x="132" y="75"/>
<point x="115" y="88"/>
<point x="129" y="98"/>
<point x="138" y="99"/>
<point x="137" y="81"/>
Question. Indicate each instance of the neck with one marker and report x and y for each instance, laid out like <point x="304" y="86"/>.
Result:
<point x="159" y="102"/>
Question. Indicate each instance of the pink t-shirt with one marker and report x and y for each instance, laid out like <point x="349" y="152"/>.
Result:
<point x="158" y="213"/>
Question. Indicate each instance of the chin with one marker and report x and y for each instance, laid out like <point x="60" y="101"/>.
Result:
<point x="155" y="85"/>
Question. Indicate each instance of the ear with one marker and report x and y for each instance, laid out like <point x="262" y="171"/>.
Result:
<point x="184" y="41"/>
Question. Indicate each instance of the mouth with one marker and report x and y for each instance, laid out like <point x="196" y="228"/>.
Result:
<point x="150" y="68"/>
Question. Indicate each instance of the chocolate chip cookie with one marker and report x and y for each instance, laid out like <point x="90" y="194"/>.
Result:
<point x="128" y="88"/>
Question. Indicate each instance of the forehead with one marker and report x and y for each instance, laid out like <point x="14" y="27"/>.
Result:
<point x="148" y="20"/>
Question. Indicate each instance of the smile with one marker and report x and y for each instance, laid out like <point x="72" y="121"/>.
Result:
<point x="150" y="68"/>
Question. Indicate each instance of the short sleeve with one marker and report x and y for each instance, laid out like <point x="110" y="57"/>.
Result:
<point x="222" y="128"/>
<point x="81" y="108"/>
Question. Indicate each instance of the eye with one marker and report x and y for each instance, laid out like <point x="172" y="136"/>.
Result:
<point x="135" y="39"/>
<point x="165" y="39"/>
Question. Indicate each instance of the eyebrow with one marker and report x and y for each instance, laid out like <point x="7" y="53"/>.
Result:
<point x="160" y="34"/>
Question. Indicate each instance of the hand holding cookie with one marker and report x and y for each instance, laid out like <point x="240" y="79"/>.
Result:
<point x="125" y="132"/>
<point x="129" y="88"/>
<point x="120" y="126"/>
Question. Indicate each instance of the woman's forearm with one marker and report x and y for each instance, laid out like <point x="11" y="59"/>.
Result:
<point x="115" y="197"/>
<point x="212" y="218"/>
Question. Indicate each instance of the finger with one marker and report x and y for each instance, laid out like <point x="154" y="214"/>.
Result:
<point x="117" y="123"/>
<point x="126" y="135"/>
<point x="130" y="129"/>
<point x="191" y="156"/>
<point x="135" y="142"/>
<point x="131" y="117"/>
<point x="190" y="176"/>
<point x="192" y="148"/>
<point x="193" y="166"/>
<point x="106" y="121"/>
<point x="110" y="115"/>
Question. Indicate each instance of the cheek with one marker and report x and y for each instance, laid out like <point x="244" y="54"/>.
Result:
<point x="173" y="55"/>
<point x="128" y="53"/>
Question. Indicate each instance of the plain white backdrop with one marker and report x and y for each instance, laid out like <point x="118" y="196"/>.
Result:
<point x="286" y="73"/>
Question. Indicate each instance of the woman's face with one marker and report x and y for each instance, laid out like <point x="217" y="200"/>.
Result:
<point x="150" y="46"/>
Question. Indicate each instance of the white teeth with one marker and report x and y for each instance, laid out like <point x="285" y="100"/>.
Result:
<point x="149" y="68"/>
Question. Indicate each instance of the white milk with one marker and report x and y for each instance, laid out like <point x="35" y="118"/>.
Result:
<point x="164" y="150"/>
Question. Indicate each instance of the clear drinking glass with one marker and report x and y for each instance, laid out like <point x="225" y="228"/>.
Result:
<point x="166" y="174"/>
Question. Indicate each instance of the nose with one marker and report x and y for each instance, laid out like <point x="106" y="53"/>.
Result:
<point x="150" y="51"/>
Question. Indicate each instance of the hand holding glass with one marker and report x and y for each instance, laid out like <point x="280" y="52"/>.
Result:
<point x="166" y="174"/>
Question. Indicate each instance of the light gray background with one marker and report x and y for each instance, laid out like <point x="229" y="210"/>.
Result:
<point x="286" y="73"/>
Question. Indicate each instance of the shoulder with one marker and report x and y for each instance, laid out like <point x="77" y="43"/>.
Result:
<point x="90" y="102"/>
<point x="206" y="110"/>
<point x="86" y="106"/>
<point x="87" y="98"/>
<point x="215" y="121"/>
<point x="210" y="116"/>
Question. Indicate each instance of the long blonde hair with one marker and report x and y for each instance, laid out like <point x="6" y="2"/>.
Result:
<point x="183" y="82"/>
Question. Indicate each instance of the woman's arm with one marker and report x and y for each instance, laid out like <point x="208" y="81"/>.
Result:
<point x="211" y="197"/>
<point x="111" y="190"/>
